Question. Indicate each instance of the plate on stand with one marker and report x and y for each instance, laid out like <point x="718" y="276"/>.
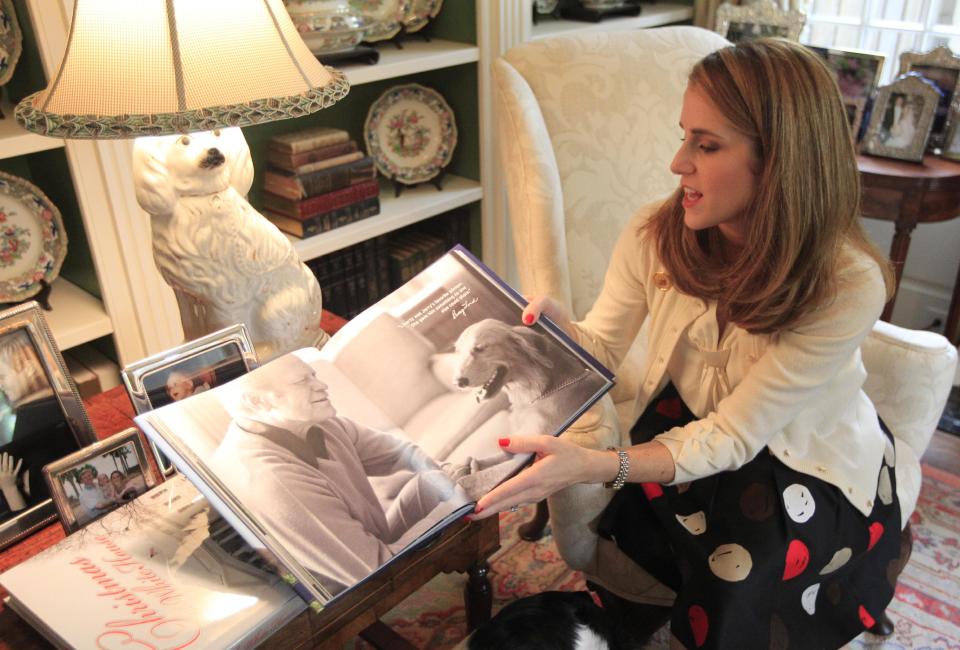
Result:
<point x="410" y="133"/>
<point x="33" y="242"/>
<point x="11" y="40"/>
<point x="419" y="14"/>
<point x="385" y="16"/>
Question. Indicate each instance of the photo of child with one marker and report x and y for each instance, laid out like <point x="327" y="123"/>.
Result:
<point x="194" y="375"/>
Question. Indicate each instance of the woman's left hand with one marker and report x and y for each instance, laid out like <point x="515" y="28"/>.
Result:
<point x="557" y="464"/>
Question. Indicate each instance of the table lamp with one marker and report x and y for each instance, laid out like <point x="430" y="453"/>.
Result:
<point x="180" y="76"/>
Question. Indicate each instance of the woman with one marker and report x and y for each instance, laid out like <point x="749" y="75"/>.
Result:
<point x="760" y="483"/>
<point x="125" y="490"/>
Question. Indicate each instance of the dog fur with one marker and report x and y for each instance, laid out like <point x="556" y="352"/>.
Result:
<point x="225" y="262"/>
<point x="493" y="356"/>
<point x="552" y="620"/>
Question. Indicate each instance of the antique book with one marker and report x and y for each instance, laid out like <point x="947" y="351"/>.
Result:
<point x="310" y="207"/>
<point x="292" y="161"/>
<point x="335" y="462"/>
<point x="164" y="570"/>
<point x="295" y="186"/>
<point x="306" y="139"/>
<point x="326" y="221"/>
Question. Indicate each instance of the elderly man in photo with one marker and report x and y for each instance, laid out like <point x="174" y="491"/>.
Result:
<point x="303" y="471"/>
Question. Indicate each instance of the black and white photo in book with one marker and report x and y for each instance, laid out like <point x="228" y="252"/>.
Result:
<point x="336" y="461"/>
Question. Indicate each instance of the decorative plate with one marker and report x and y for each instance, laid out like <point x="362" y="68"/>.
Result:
<point x="419" y="14"/>
<point x="33" y="242"/>
<point x="385" y="17"/>
<point x="410" y="133"/>
<point x="11" y="40"/>
<point x="545" y="6"/>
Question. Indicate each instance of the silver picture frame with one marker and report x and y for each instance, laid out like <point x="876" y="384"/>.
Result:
<point x="942" y="67"/>
<point x="72" y="477"/>
<point x="901" y="119"/>
<point x="951" y="143"/>
<point x="42" y="419"/>
<point x="759" y="19"/>
<point x="202" y="363"/>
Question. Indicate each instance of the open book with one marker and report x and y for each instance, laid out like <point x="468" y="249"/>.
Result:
<point x="334" y="462"/>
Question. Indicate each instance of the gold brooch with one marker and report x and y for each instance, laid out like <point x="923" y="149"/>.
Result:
<point x="662" y="281"/>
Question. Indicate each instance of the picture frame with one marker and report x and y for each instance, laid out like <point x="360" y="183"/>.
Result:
<point x="857" y="71"/>
<point x="951" y="142"/>
<point x="42" y="419"/>
<point x="942" y="67"/>
<point x="759" y="19"/>
<point x="98" y="479"/>
<point x="854" y="109"/>
<point x="901" y="119"/>
<point x="192" y="367"/>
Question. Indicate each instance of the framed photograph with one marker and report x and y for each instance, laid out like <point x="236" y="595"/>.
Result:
<point x="42" y="419"/>
<point x="901" y="119"/>
<point x="97" y="479"/>
<point x="854" y="109"/>
<point x="857" y="71"/>
<point x="762" y="18"/>
<point x="188" y="369"/>
<point x="941" y="67"/>
<point x="951" y="143"/>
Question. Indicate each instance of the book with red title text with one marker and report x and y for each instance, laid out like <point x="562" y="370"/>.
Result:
<point x="162" y="571"/>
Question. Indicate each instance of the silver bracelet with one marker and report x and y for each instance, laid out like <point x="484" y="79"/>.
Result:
<point x="622" y="470"/>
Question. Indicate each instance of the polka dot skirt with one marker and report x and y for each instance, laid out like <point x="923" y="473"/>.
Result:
<point x="761" y="557"/>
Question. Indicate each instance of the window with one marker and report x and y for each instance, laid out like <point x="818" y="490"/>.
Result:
<point x="887" y="26"/>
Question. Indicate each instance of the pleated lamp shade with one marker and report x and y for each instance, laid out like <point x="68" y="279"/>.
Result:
<point x="155" y="67"/>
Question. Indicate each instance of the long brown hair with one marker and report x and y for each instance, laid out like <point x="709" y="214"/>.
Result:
<point x="806" y="206"/>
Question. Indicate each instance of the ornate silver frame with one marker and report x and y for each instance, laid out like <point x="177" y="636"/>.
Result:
<point x="761" y="13"/>
<point x="909" y="85"/>
<point x="939" y="57"/>
<point x="136" y="375"/>
<point x="53" y="472"/>
<point x="28" y="317"/>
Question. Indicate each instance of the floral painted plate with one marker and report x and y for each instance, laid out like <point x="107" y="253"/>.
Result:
<point x="410" y="133"/>
<point x="33" y="242"/>
<point x="419" y="14"/>
<point x="11" y="40"/>
<point x="385" y="16"/>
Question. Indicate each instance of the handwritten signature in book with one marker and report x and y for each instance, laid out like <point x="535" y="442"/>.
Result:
<point x="457" y="313"/>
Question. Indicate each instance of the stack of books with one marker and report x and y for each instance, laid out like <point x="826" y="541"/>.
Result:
<point x="317" y="180"/>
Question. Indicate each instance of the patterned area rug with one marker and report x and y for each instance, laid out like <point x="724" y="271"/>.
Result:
<point x="926" y="608"/>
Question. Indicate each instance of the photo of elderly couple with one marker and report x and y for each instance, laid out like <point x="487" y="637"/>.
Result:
<point x="335" y="461"/>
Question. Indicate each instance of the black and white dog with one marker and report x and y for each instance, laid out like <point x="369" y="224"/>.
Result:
<point x="552" y="620"/>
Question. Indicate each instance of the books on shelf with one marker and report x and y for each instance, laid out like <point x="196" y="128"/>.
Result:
<point x="164" y="570"/>
<point x="297" y="162"/>
<point x="355" y="277"/>
<point x="335" y="462"/>
<point x="295" y="186"/>
<point x="326" y="221"/>
<point x="314" y="205"/>
<point x="307" y="139"/>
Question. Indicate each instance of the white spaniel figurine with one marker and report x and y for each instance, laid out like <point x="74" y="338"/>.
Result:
<point x="226" y="263"/>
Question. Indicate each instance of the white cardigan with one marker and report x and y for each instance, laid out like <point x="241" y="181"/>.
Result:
<point x="797" y="393"/>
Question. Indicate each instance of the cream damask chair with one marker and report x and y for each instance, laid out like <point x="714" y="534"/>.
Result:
<point x="587" y="126"/>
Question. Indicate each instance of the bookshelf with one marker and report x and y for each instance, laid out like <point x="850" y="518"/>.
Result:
<point x="115" y="291"/>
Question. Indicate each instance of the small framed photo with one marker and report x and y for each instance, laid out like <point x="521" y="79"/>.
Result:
<point x="759" y="19"/>
<point x="91" y="482"/>
<point x="857" y="71"/>
<point x="901" y="119"/>
<point x="42" y="419"/>
<point x="951" y="143"/>
<point x="941" y="67"/>
<point x="188" y="369"/>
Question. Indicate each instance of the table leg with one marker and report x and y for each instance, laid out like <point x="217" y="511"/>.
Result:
<point x="952" y="331"/>
<point x="478" y="595"/>
<point x="903" y="228"/>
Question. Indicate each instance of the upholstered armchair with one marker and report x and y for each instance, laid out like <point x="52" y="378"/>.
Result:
<point x="587" y="126"/>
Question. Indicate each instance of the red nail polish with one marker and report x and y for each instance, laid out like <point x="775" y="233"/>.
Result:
<point x="503" y="442"/>
<point x="528" y="319"/>
<point x="477" y="510"/>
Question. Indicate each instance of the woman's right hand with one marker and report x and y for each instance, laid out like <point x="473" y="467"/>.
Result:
<point x="542" y="305"/>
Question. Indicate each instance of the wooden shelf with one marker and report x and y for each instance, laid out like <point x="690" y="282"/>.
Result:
<point x="15" y="141"/>
<point x="651" y="15"/>
<point x="411" y="206"/>
<point x="77" y="317"/>
<point x="416" y="56"/>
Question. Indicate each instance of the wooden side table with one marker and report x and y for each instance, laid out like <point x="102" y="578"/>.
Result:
<point x="908" y="194"/>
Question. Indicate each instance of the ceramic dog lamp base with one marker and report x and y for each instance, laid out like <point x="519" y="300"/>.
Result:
<point x="226" y="263"/>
